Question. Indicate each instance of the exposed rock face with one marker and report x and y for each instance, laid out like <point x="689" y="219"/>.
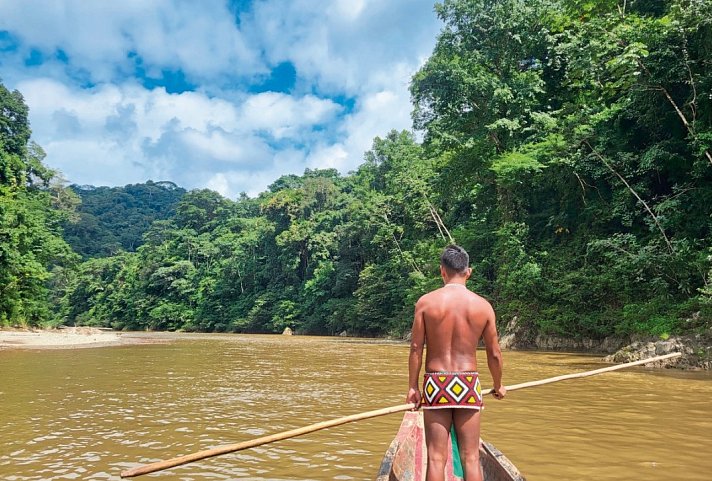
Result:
<point x="696" y="349"/>
<point x="556" y="343"/>
<point x="287" y="332"/>
<point x="519" y="336"/>
<point x="516" y="336"/>
<point x="696" y="352"/>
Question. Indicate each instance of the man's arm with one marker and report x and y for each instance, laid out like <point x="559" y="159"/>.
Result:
<point x="415" y="360"/>
<point x="494" y="355"/>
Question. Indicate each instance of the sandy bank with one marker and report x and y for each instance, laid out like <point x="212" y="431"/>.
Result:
<point x="69" y="338"/>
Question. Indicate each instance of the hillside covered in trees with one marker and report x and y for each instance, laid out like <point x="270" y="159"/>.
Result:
<point x="112" y="219"/>
<point x="566" y="145"/>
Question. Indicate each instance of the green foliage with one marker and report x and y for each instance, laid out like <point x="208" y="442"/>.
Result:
<point x="512" y="164"/>
<point x="519" y="275"/>
<point x="566" y="147"/>
<point x="32" y="207"/>
<point x="600" y="200"/>
<point x="14" y="135"/>
<point x="317" y="253"/>
<point x="112" y="219"/>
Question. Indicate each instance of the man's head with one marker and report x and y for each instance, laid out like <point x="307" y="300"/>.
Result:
<point x="454" y="262"/>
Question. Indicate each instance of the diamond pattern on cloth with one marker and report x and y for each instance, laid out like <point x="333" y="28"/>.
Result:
<point x="452" y="390"/>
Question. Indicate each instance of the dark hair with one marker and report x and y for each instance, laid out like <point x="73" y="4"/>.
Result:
<point x="455" y="259"/>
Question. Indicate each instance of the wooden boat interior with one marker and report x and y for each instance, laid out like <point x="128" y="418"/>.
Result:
<point x="405" y="459"/>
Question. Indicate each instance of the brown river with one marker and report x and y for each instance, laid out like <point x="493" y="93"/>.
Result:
<point x="88" y="414"/>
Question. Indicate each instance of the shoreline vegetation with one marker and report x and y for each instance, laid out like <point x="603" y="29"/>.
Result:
<point x="575" y="168"/>
<point x="696" y="350"/>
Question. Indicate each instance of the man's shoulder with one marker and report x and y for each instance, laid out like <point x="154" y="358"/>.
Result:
<point x="429" y="297"/>
<point x="479" y="298"/>
<point x="482" y="304"/>
<point x="425" y="298"/>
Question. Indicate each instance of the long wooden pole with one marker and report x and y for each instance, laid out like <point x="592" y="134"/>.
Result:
<point x="231" y="448"/>
<point x="587" y="373"/>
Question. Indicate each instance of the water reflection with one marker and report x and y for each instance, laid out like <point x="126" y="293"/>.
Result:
<point x="89" y="414"/>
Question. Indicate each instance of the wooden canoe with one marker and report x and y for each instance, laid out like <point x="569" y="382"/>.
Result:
<point x="406" y="457"/>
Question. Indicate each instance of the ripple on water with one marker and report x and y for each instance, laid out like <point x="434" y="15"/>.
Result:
<point x="89" y="414"/>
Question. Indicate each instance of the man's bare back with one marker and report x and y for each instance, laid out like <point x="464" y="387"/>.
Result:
<point x="452" y="320"/>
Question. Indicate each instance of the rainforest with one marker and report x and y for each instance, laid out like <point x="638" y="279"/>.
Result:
<point x="566" y="144"/>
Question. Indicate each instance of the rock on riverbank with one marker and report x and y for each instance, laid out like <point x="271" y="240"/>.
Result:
<point x="696" y="352"/>
<point x="696" y="349"/>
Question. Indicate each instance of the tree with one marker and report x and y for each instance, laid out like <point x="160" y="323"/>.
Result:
<point x="31" y="211"/>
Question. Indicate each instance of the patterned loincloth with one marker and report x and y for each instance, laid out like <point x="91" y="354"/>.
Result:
<point x="443" y="390"/>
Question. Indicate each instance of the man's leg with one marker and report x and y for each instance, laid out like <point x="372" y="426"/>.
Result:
<point x="437" y="433"/>
<point x="467" y="428"/>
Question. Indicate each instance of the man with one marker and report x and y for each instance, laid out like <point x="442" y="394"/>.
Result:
<point x="452" y="320"/>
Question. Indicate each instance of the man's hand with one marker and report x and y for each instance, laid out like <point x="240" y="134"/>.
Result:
<point x="413" y="397"/>
<point x="499" y="392"/>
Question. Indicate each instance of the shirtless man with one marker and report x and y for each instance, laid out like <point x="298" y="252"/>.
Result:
<point x="452" y="320"/>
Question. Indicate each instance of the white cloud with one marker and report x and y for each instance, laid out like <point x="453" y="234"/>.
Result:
<point x="288" y="161"/>
<point x="332" y="156"/>
<point x="349" y="47"/>
<point x="95" y="162"/>
<point x="129" y="134"/>
<point x="350" y="9"/>
<point x="199" y="38"/>
<point x="216" y="145"/>
<point x="367" y="50"/>
<point x="284" y="115"/>
<point x="376" y="114"/>
<point x="100" y="125"/>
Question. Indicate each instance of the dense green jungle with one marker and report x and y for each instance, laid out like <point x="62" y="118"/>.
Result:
<point x="566" y="144"/>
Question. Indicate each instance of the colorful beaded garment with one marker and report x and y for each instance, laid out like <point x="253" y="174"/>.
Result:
<point x="452" y="390"/>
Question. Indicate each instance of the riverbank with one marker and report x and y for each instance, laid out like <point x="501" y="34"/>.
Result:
<point x="696" y="349"/>
<point x="71" y="338"/>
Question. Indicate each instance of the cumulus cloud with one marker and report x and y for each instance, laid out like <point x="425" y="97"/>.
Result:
<point x="102" y="123"/>
<point x="285" y="116"/>
<point x="376" y="114"/>
<point x="349" y="46"/>
<point x="119" y="134"/>
<point x="103" y="38"/>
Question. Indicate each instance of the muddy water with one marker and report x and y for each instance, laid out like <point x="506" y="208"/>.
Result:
<point x="90" y="413"/>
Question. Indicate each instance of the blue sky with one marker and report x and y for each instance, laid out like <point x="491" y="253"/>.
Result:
<point x="227" y="95"/>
